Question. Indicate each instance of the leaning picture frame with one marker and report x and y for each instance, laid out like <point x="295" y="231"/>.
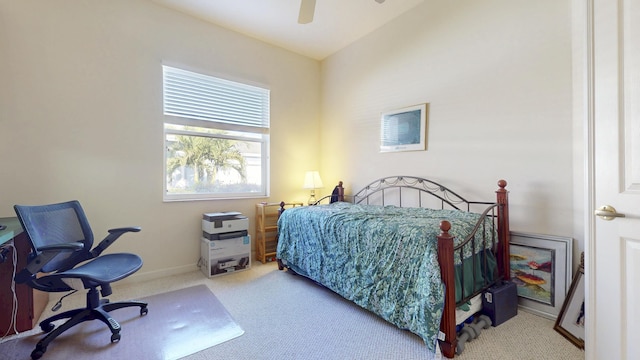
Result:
<point x="571" y="320"/>
<point x="541" y="269"/>
<point x="404" y="129"/>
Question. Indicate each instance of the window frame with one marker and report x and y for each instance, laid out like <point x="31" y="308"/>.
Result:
<point x="255" y="134"/>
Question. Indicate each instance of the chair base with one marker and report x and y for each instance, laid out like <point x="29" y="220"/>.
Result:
<point x="97" y="309"/>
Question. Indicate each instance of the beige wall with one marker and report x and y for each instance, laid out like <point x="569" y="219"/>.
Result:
<point x="497" y="75"/>
<point x="81" y="115"/>
<point x="80" y="110"/>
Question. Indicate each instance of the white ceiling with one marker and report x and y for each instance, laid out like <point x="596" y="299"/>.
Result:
<point x="336" y="24"/>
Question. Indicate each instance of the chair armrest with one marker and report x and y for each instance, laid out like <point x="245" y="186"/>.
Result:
<point x="47" y="253"/>
<point x="114" y="234"/>
<point x="125" y="229"/>
<point x="62" y="247"/>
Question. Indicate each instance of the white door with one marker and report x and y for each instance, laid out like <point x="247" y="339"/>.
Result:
<point x="613" y="263"/>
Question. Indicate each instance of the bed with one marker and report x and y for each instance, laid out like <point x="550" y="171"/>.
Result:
<point x="406" y="248"/>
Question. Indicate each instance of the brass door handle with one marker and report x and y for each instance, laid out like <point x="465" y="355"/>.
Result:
<point x="607" y="212"/>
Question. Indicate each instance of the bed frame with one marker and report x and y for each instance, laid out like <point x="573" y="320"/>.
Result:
<point x="409" y="191"/>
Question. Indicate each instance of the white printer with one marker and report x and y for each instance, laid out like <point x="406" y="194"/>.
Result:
<point x="224" y="225"/>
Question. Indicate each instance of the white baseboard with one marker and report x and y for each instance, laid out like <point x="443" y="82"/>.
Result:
<point x="157" y="274"/>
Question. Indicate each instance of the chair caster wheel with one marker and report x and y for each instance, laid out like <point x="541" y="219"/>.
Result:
<point x="144" y="311"/>
<point x="38" y="352"/>
<point x="47" y="327"/>
<point x="115" y="338"/>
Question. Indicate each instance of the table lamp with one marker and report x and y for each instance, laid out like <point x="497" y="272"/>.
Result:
<point x="312" y="182"/>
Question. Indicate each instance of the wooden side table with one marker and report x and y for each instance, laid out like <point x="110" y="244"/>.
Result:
<point x="267" y="228"/>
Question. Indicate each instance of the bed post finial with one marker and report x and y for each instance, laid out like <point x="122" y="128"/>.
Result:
<point x="502" y="198"/>
<point x="445" y="226"/>
<point x="448" y="323"/>
<point x="337" y="194"/>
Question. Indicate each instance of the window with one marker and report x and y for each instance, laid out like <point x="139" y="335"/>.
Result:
<point x="216" y="137"/>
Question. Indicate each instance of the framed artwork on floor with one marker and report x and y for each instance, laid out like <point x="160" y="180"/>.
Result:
<point x="570" y="322"/>
<point x="541" y="268"/>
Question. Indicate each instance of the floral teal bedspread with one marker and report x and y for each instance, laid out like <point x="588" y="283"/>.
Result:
<point x="382" y="258"/>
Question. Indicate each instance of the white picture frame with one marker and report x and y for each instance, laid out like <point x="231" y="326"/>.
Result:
<point x="529" y="254"/>
<point x="404" y="129"/>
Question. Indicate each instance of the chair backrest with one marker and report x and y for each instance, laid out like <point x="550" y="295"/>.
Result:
<point x="56" y="224"/>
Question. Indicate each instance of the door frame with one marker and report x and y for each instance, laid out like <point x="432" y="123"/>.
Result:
<point x="584" y="102"/>
<point x="583" y="105"/>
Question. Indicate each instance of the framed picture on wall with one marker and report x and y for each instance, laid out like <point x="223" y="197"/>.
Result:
<point x="404" y="129"/>
<point x="541" y="268"/>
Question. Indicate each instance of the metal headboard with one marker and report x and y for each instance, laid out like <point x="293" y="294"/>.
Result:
<point x="390" y="190"/>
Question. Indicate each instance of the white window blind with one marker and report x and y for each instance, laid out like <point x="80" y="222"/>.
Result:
<point x="216" y="137"/>
<point x="197" y="96"/>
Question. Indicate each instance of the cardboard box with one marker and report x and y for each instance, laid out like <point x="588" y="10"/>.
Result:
<point x="220" y="257"/>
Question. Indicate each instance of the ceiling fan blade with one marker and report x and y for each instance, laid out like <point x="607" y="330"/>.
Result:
<point x="307" y="8"/>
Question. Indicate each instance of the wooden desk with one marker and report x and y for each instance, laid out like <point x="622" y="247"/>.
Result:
<point x="30" y="302"/>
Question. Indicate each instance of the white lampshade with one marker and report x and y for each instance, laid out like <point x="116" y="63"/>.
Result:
<point x="312" y="180"/>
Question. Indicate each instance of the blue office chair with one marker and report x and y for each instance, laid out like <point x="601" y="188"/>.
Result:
<point x="61" y="240"/>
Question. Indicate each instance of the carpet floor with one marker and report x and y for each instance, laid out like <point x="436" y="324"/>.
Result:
<point x="179" y="323"/>
<point x="289" y="317"/>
